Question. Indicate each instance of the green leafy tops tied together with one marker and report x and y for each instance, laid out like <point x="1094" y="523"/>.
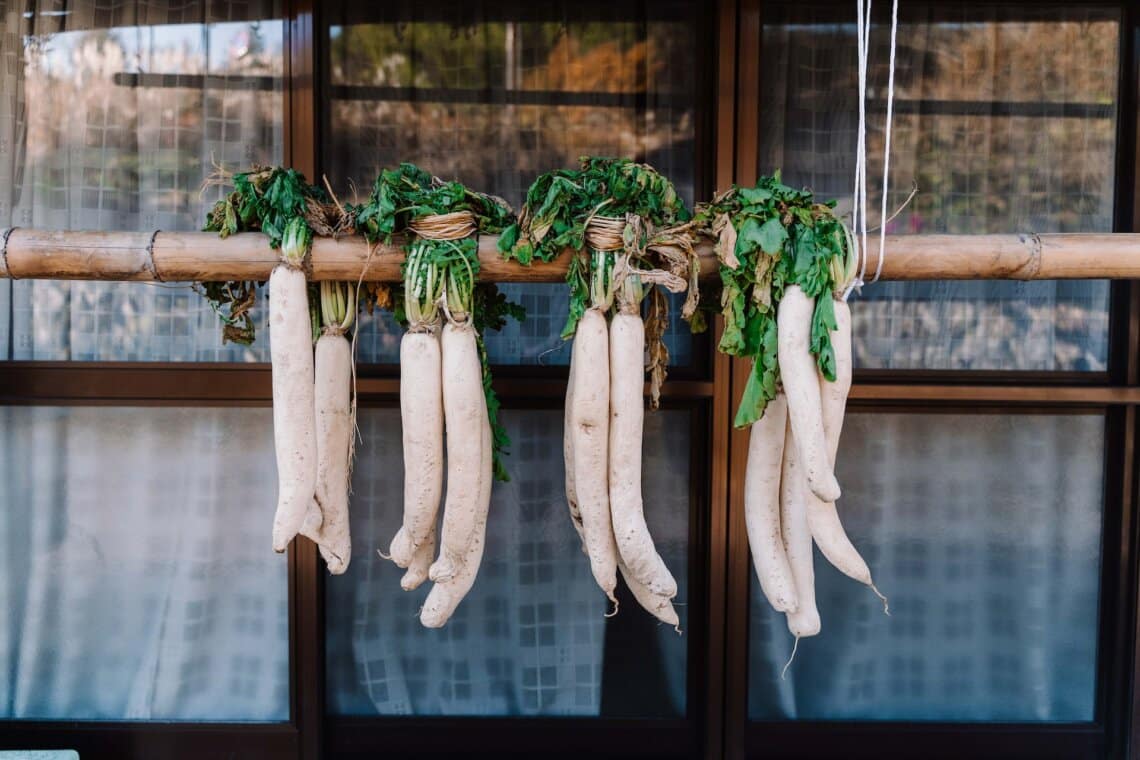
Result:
<point x="273" y="200"/>
<point x="441" y="269"/>
<point x="559" y="206"/>
<point x="767" y="237"/>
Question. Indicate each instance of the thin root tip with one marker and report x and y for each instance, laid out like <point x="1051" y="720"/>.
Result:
<point x="886" y="604"/>
<point x="614" y="611"/>
<point x="383" y="555"/>
<point x="788" y="664"/>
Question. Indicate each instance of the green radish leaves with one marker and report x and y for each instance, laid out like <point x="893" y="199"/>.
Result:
<point x="491" y="310"/>
<point x="443" y="274"/>
<point x="560" y="203"/>
<point x="767" y="237"/>
<point x="272" y="200"/>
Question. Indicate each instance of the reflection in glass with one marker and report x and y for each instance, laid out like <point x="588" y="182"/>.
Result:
<point x="1005" y="121"/>
<point x="985" y="532"/>
<point x="138" y="580"/>
<point x="530" y="639"/>
<point x="110" y="118"/>
<point x="494" y="103"/>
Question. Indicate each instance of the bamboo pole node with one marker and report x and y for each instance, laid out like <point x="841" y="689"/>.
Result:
<point x="4" y="269"/>
<point x="149" y="263"/>
<point x="1034" y="248"/>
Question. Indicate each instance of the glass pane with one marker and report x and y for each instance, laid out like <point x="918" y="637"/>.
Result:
<point x="985" y="532"/>
<point x="530" y="638"/>
<point x="1006" y="122"/>
<point x="111" y="116"/>
<point x="138" y="580"/>
<point x="495" y="103"/>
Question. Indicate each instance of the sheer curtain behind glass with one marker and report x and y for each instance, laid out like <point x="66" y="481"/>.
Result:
<point x="1005" y="120"/>
<point x="530" y="638"/>
<point x="984" y="531"/>
<point x="111" y="116"/>
<point x="467" y="91"/>
<point x="138" y="581"/>
<point x="495" y="96"/>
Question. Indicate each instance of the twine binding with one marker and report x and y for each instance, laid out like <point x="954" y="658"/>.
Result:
<point x="453" y="226"/>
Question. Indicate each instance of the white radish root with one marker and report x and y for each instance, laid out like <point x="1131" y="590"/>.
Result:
<point x="801" y="384"/>
<point x="823" y="518"/>
<point x="627" y="418"/>
<point x="417" y="571"/>
<point x="465" y="415"/>
<point x="762" y="506"/>
<point x="589" y="424"/>
<point x="804" y="621"/>
<point x="659" y="606"/>
<point x="445" y="596"/>
<point x="334" y="451"/>
<point x="421" y="417"/>
<point x="294" y="413"/>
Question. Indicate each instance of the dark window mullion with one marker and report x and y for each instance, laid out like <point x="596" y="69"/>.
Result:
<point x="306" y="572"/>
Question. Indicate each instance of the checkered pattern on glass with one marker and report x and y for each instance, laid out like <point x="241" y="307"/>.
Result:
<point x="1005" y="125"/>
<point x="393" y="100"/>
<point x="993" y="580"/>
<point x="81" y="148"/>
<point x="529" y="638"/>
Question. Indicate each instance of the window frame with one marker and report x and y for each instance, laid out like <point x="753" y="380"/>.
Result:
<point x="1114" y="729"/>
<point x="728" y="128"/>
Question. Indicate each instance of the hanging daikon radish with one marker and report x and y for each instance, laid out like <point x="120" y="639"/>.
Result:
<point x="294" y="412"/>
<point x="762" y="506"/>
<point x="329" y="526"/>
<point x="421" y="407"/>
<point x="589" y="426"/>
<point x="465" y="414"/>
<point x="445" y="595"/>
<point x="627" y="414"/>
<point x="804" y="619"/>
<point x="797" y="368"/>
<point x="659" y="606"/>
<point x="823" y="517"/>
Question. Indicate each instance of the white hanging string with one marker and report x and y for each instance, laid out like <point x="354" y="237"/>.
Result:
<point x="887" y="145"/>
<point x="859" y="204"/>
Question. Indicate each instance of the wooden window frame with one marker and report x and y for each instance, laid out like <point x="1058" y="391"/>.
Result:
<point x="1114" y="729"/>
<point x="720" y="569"/>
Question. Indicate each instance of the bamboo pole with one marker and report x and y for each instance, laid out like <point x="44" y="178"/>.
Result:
<point x="202" y="256"/>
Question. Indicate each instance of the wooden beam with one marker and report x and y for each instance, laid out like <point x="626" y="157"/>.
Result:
<point x="200" y="256"/>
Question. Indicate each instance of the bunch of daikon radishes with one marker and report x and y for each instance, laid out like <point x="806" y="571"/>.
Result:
<point x="313" y="405"/>
<point x="445" y="381"/>
<point x="610" y="212"/>
<point x="786" y="264"/>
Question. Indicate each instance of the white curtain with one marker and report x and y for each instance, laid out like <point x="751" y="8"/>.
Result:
<point x="138" y="580"/>
<point x="984" y="530"/>
<point x="111" y="116"/>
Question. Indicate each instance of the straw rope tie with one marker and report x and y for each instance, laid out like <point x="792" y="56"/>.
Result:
<point x="604" y="233"/>
<point x="454" y="226"/>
